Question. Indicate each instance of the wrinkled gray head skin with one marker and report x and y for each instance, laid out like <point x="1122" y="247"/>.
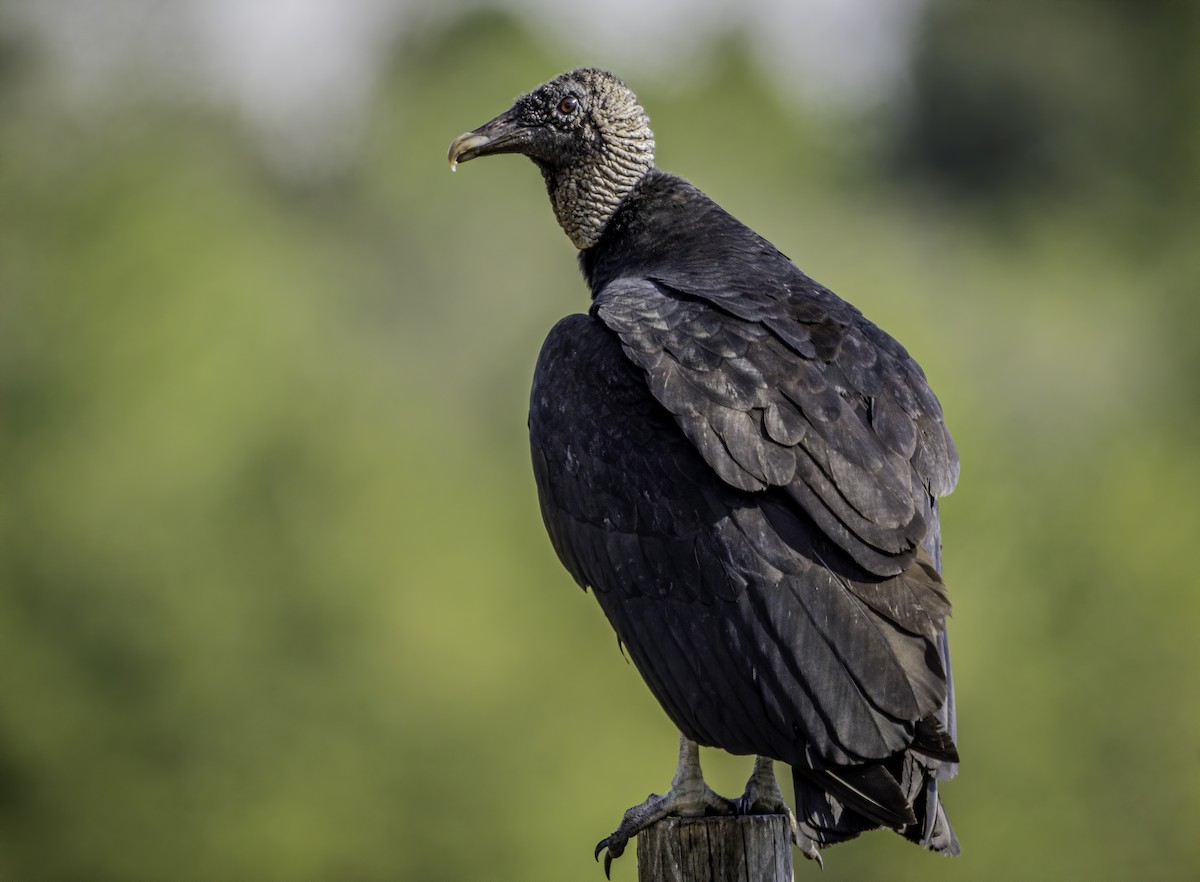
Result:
<point x="587" y="133"/>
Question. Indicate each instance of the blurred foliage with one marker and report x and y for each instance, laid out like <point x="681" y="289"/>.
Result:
<point x="275" y="601"/>
<point x="1089" y="100"/>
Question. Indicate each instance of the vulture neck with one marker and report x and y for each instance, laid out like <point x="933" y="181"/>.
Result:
<point x="586" y="194"/>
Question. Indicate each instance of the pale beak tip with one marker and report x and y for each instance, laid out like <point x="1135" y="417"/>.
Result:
<point x="461" y="147"/>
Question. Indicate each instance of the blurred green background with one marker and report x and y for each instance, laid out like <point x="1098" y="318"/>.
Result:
<point x="275" y="598"/>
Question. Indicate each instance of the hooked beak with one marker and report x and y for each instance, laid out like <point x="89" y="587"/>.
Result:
<point x="504" y="134"/>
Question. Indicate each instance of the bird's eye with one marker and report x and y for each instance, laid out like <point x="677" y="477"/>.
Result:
<point x="568" y="105"/>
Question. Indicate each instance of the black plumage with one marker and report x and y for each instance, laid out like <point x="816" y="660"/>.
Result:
<point x="744" y="470"/>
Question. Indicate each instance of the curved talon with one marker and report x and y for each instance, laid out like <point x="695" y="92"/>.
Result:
<point x="809" y="849"/>
<point x="616" y="848"/>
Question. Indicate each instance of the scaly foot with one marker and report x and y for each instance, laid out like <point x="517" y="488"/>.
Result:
<point x="763" y="797"/>
<point x="688" y="797"/>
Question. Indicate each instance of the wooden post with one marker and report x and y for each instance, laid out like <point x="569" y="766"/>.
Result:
<point x="724" y="848"/>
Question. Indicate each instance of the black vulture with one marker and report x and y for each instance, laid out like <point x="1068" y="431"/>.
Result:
<point x="744" y="470"/>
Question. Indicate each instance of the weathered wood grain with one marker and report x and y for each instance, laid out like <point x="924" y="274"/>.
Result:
<point x="750" y="848"/>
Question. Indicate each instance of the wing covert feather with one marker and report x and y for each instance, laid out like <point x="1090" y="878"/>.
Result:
<point x="802" y="396"/>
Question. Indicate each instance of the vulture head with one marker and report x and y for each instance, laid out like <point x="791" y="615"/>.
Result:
<point x="589" y="136"/>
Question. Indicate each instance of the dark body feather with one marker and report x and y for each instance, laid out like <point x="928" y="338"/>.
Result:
<point x="744" y="470"/>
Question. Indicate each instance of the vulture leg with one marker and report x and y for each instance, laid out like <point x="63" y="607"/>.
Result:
<point x="688" y="797"/>
<point x="763" y="797"/>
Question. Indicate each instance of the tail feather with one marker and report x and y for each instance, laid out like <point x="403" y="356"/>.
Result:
<point x="935" y="833"/>
<point x="870" y="790"/>
<point x="836" y="805"/>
